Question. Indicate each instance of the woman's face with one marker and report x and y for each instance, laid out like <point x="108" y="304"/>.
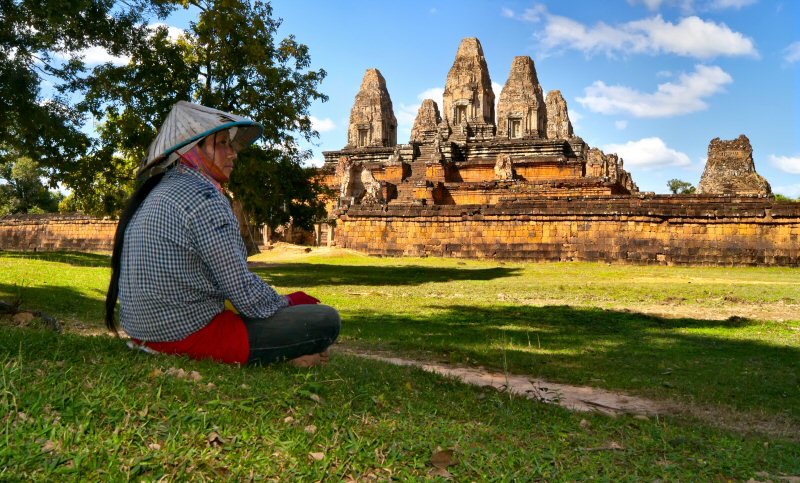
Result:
<point x="220" y="152"/>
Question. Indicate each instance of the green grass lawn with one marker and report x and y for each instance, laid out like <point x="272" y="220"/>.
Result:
<point x="723" y="339"/>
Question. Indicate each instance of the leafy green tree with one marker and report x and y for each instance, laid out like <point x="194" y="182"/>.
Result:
<point x="294" y="191"/>
<point x="22" y="190"/>
<point x="680" y="187"/>
<point x="780" y="197"/>
<point x="228" y="59"/>
<point x="41" y="42"/>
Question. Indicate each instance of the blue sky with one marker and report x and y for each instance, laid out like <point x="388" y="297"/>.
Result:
<point x="653" y="80"/>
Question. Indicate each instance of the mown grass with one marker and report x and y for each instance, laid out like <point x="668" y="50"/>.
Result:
<point x="79" y="407"/>
<point x="727" y="339"/>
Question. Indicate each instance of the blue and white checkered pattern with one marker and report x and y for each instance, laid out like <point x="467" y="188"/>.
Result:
<point x="183" y="256"/>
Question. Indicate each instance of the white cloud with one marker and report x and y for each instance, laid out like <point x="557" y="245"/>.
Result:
<point x="786" y="163"/>
<point x="654" y="5"/>
<point x="94" y="56"/>
<point x="690" y="37"/>
<point x="737" y="4"/>
<point x="620" y="124"/>
<point x="534" y="14"/>
<point x="792" y="52"/>
<point x="651" y="4"/>
<point x="507" y="12"/>
<point x="315" y="162"/>
<point x="322" y="125"/>
<point x="497" y="89"/>
<point x="648" y="153"/>
<point x="405" y="115"/>
<point x="689" y="5"/>
<point x="173" y="33"/>
<point x="99" y="55"/>
<point x="670" y="99"/>
<point x="435" y="93"/>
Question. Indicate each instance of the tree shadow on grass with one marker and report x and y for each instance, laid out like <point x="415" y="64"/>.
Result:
<point x="58" y="301"/>
<point x="76" y="259"/>
<point x="311" y="275"/>
<point x="710" y="361"/>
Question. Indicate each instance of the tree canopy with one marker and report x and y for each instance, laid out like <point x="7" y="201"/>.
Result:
<point x="680" y="187"/>
<point x="22" y="191"/>
<point x="41" y="42"/>
<point x="229" y="58"/>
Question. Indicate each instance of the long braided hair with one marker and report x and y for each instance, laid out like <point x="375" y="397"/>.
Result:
<point x="135" y="201"/>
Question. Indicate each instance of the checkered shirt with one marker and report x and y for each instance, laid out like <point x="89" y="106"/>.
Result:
<point x="183" y="256"/>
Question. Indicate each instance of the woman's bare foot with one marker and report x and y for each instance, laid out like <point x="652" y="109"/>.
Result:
<point x="311" y="360"/>
<point x="325" y="356"/>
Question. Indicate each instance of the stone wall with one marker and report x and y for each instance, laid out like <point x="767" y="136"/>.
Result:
<point x="656" y="229"/>
<point x="56" y="232"/>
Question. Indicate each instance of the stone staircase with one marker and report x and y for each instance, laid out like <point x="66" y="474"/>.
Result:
<point x="405" y="190"/>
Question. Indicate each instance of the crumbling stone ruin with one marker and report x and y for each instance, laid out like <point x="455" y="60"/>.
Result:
<point x="558" y="123"/>
<point x="730" y="169"/>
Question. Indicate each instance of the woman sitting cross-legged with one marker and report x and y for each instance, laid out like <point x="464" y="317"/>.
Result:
<point x="179" y="255"/>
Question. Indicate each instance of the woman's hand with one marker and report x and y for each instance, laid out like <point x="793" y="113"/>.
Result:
<point x="301" y="298"/>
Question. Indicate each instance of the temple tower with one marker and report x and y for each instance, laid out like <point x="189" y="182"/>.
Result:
<point x="521" y="111"/>
<point x="558" y="123"/>
<point x="426" y="124"/>
<point x="372" y="121"/>
<point x="468" y="96"/>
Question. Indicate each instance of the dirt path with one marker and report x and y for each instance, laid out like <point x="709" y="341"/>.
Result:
<point x="574" y="398"/>
<point x="591" y="399"/>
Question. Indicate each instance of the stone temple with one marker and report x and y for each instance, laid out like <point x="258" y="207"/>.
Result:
<point x="518" y="183"/>
<point x="465" y="153"/>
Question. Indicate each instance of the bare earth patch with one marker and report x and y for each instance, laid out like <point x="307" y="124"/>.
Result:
<point x="775" y="311"/>
<point x="591" y="399"/>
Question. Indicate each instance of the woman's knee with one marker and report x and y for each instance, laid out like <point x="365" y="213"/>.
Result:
<point x="331" y="320"/>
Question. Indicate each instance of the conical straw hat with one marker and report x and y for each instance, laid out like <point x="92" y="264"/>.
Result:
<point x="186" y="125"/>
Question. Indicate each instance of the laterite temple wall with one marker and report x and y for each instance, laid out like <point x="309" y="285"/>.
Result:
<point x="56" y="232"/>
<point x="698" y="230"/>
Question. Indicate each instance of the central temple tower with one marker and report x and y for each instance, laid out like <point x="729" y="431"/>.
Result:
<point x="468" y="96"/>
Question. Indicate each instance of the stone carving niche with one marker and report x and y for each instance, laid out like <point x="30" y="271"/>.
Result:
<point x="357" y="184"/>
<point x="373" y="194"/>
<point x="504" y="168"/>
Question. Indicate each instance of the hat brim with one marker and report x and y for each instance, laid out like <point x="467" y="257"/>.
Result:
<point x="247" y="133"/>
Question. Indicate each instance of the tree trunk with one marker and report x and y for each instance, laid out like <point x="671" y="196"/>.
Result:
<point x="248" y="230"/>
